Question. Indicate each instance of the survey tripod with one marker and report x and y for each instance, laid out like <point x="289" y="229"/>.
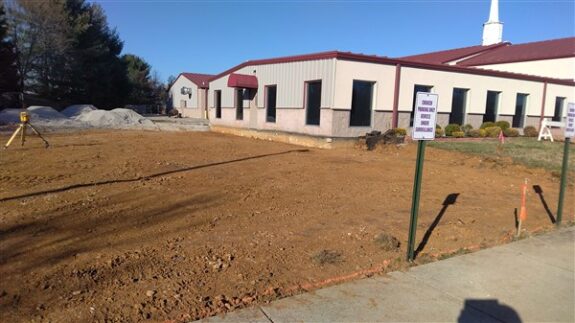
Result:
<point x="24" y="124"/>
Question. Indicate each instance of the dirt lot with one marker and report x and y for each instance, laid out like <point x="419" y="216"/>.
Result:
<point x="127" y="226"/>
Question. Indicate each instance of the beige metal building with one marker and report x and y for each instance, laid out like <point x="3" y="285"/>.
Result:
<point x="341" y="95"/>
<point x="188" y="94"/>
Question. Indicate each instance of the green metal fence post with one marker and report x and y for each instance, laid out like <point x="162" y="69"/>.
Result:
<point x="415" y="198"/>
<point x="563" y="181"/>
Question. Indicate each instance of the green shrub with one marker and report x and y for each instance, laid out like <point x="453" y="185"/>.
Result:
<point x="493" y="132"/>
<point x="439" y="132"/>
<point x="458" y="134"/>
<point x="399" y="131"/>
<point x="530" y="131"/>
<point x="487" y="125"/>
<point x="475" y="133"/>
<point x="504" y="125"/>
<point x="482" y="133"/>
<point x="450" y="128"/>
<point x="466" y="128"/>
<point x="511" y="132"/>
<point x="437" y="126"/>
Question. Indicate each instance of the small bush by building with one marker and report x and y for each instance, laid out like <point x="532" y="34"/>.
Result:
<point x="493" y="132"/>
<point x="399" y="131"/>
<point x="475" y="133"/>
<point x="511" y="132"/>
<point x="466" y="128"/>
<point x="504" y="125"/>
<point x="458" y="134"/>
<point x="450" y="128"/>
<point x="530" y="131"/>
<point x="487" y="125"/>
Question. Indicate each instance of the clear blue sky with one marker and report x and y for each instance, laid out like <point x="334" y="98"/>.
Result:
<point x="211" y="36"/>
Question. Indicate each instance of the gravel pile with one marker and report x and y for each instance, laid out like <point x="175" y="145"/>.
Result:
<point x="82" y="116"/>
<point x="45" y="117"/>
<point x="116" y="119"/>
<point x="78" y="109"/>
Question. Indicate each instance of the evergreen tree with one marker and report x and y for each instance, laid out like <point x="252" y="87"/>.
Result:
<point x="99" y="75"/>
<point x="9" y="78"/>
<point x="141" y="91"/>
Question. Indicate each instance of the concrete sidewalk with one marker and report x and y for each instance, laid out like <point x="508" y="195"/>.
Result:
<point x="532" y="280"/>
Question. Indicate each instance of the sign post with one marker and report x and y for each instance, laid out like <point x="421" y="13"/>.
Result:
<point x="569" y="133"/>
<point x="423" y="129"/>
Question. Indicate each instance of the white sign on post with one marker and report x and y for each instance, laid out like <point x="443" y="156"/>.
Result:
<point x="570" y="122"/>
<point x="425" y="116"/>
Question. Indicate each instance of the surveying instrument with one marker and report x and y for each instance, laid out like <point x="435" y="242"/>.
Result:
<point x="24" y="123"/>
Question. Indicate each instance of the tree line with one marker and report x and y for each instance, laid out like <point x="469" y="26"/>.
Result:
<point x="64" y="50"/>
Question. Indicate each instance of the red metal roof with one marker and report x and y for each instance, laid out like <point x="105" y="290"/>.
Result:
<point x="446" y="56"/>
<point x="548" y="49"/>
<point x="390" y="61"/>
<point x="242" y="80"/>
<point x="201" y="80"/>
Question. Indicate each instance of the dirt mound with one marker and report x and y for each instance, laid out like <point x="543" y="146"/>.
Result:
<point x="77" y="109"/>
<point x="117" y="119"/>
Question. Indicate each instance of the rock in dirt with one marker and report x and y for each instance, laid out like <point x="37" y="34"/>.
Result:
<point x="150" y="293"/>
<point x="387" y="242"/>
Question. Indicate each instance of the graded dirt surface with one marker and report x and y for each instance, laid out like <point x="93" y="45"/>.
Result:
<point x="126" y="226"/>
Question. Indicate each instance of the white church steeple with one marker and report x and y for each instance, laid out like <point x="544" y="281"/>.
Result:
<point x="493" y="28"/>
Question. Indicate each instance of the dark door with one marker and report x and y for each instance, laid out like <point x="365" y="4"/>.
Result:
<point x="361" y="99"/>
<point x="313" y="102"/>
<point x="558" y="113"/>
<point x="218" y="103"/>
<point x="239" y="101"/>
<point x="458" y="101"/>
<point x="520" y="107"/>
<point x="271" y="92"/>
<point x="491" y="106"/>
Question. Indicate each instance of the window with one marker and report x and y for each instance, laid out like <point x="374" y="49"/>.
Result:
<point x="313" y="102"/>
<point x="270" y="94"/>
<point x="558" y="113"/>
<point x="239" y="102"/>
<point x="458" y="102"/>
<point x="520" y="109"/>
<point x="491" y="106"/>
<point x="361" y="101"/>
<point x="218" y="103"/>
<point x="417" y="88"/>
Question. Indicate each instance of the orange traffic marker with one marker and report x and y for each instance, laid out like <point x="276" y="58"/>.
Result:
<point x="523" y="209"/>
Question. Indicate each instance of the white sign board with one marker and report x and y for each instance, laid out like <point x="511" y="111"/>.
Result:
<point x="425" y="116"/>
<point x="570" y="121"/>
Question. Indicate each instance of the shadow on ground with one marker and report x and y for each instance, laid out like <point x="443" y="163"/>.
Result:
<point x="449" y="200"/>
<point x="498" y="311"/>
<point x="129" y="180"/>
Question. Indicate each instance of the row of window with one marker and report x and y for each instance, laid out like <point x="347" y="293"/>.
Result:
<point x="459" y="103"/>
<point x="362" y="101"/>
<point x="312" y="102"/>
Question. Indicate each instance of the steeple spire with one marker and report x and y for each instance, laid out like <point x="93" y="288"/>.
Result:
<point x="494" y="12"/>
<point x="493" y="28"/>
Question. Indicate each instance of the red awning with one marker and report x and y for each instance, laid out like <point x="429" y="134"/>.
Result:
<point x="242" y="80"/>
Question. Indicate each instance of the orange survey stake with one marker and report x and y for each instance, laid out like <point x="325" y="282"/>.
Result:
<point x="523" y="210"/>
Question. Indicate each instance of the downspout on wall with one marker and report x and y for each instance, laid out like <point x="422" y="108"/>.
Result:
<point x="394" y="116"/>
<point x="543" y="105"/>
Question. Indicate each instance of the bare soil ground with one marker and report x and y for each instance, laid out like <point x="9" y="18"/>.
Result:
<point x="126" y="226"/>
